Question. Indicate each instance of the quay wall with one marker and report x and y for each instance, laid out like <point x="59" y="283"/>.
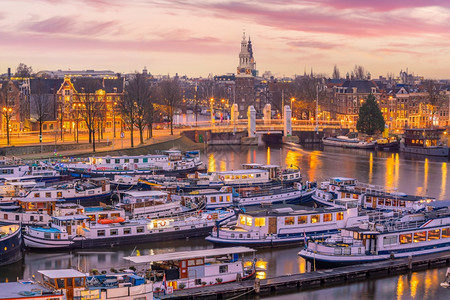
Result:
<point x="47" y="148"/>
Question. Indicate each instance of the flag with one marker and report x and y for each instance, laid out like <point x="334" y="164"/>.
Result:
<point x="164" y="284"/>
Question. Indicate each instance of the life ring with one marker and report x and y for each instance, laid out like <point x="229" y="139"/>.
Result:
<point x="333" y="188"/>
<point x="222" y="178"/>
<point x="209" y="217"/>
<point x="162" y="223"/>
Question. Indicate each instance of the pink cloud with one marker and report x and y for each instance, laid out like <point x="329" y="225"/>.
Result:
<point x="312" y="44"/>
<point x="383" y="5"/>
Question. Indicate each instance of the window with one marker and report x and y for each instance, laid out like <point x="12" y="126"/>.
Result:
<point x="220" y="198"/>
<point x="327" y="217"/>
<point x="228" y="199"/>
<point x="260" y="222"/>
<point x="113" y="232"/>
<point x="199" y="261"/>
<point x="191" y="262"/>
<point x="48" y="195"/>
<point x="108" y="161"/>
<point x="197" y="282"/>
<point x="434" y="234"/>
<point x="242" y="220"/>
<point x="315" y="219"/>
<point x="37" y="195"/>
<point x="420" y="236"/>
<point x="445" y="233"/>
<point x="390" y="240"/>
<point x="47" y="235"/>
<point x="405" y="238"/>
<point x="59" y="194"/>
<point x="145" y="160"/>
<point x="249" y="221"/>
<point x="117" y="161"/>
<point x="302" y="220"/>
<point x="101" y="233"/>
<point x="136" y="160"/>
<point x="339" y="216"/>
<point x="381" y="201"/>
<point x="289" y="221"/>
<point x="223" y="269"/>
<point x="127" y="231"/>
<point x="213" y="200"/>
<point x="60" y="282"/>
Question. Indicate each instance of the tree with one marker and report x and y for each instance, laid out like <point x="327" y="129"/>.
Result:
<point x="40" y="105"/>
<point x="336" y="73"/>
<point x="359" y="72"/>
<point x="91" y="105"/>
<point x="23" y="71"/>
<point x="370" y="118"/>
<point x="435" y="96"/>
<point x="139" y="90"/>
<point x="170" y="93"/>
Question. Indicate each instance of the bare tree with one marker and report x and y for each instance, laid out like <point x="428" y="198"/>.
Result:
<point x="23" y="71"/>
<point x="359" y="72"/>
<point x="436" y="97"/>
<point x="139" y="90"/>
<point x="336" y="73"/>
<point x="40" y="104"/>
<point x="170" y="93"/>
<point x="91" y="106"/>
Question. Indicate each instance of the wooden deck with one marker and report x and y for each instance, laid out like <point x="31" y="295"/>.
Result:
<point x="314" y="279"/>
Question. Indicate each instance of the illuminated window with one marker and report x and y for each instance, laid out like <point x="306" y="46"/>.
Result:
<point x="302" y="220"/>
<point x="213" y="199"/>
<point x="36" y="195"/>
<point x="289" y="221"/>
<point x="260" y="222"/>
<point x="327" y="217"/>
<point x="59" y="194"/>
<point x="220" y="198"/>
<point x="228" y="199"/>
<point x="249" y="221"/>
<point x="405" y="238"/>
<point x="242" y="220"/>
<point x="368" y="199"/>
<point x="339" y="216"/>
<point x="420" y="236"/>
<point x="315" y="219"/>
<point x="445" y="233"/>
<point x="388" y="202"/>
<point x="380" y="201"/>
<point x="434" y="234"/>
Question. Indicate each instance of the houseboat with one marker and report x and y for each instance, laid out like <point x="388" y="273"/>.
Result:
<point x="211" y="198"/>
<point x="346" y="142"/>
<point x="339" y="191"/>
<point x="87" y="192"/>
<point x="78" y="231"/>
<point x="155" y="204"/>
<point x="283" y="224"/>
<point x="172" y="163"/>
<point x="8" y="171"/>
<point x="10" y="244"/>
<point x="409" y="235"/>
<point x="191" y="269"/>
<point x="70" y="284"/>
<point x="387" y="144"/>
<point x="424" y="141"/>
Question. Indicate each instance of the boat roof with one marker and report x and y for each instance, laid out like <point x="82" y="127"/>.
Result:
<point x="70" y="217"/>
<point x="246" y="171"/>
<point x="205" y="191"/>
<point x="144" y="193"/>
<point x="62" y="273"/>
<point x="287" y="210"/>
<point x="338" y="179"/>
<point x="21" y="183"/>
<point x="18" y="290"/>
<point x="40" y="200"/>
<point x="188" y="254"/>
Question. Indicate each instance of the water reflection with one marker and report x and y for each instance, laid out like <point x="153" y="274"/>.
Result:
<point x="443" y="180"/>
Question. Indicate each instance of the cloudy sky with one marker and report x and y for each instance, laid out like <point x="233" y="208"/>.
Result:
<point x="199" y="37"/>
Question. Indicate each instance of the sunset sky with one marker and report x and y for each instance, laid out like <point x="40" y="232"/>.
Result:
<point x="199" y="37"/>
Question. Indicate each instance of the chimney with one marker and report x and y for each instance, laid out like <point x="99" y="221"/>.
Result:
<point x="9" y="73"/>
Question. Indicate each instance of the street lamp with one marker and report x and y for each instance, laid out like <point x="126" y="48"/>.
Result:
<point x="114" y="118"/>
<point x="7" y="112"/>
<point x="292" y="106"/>
<point x="213" y="119"/>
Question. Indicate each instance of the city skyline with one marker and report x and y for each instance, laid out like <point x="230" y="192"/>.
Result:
<point x="200" y="37"/>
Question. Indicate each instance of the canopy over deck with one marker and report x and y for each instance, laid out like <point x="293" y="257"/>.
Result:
<point x="62" y="273"/>
<point x="188" y="254"/>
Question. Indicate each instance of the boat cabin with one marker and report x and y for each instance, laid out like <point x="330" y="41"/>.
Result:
<point x="189" y="269"/>
<point x="422" y="137"/>
<point x="210" y="197"/>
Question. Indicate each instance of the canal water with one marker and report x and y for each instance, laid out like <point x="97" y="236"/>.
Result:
<point x="413" y="175"/>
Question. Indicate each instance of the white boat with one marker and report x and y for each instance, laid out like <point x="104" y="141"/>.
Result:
<point x="210" y="197"/>
<point x="195" y="269"/>
<point x="346" y="142"/>
<point x="410" y="235"/>
<point x="283" y="224"/>
<point x="70" y="284"/>
<point x="341" y="191"/>
<point x="78" y="231"/>
<point x="170" y="163"/>
<point x="155" y="204"/>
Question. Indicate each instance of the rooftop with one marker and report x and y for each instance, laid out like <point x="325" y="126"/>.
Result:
<point x="62" y="273"/>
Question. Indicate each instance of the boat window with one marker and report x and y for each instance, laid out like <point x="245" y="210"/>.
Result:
<point x="244" y="176"/>
<point x="389" y="240"/>
<point x="37" y="195"/>
<point x="136" y="160"/>
<point x="380" y="201"/>
<point x="126" y="160"/>
<point x="249" y="221"/>
<point x="242" y="220"/>
<point x="420" y="236"/>
<point x="117" y="160"/>
<point x="260" y="222"/>
<point x="199" y="261"/>
<point x="5" y="216"/>
<point x="140" y="229"/>
<point x="79" y="282"/>
<point x="302" y="220"/>
<point x="91" y="217"/>
<point x="355" y="196"/>
<point x="434" y="234"/>
<point x="108" y="161"/>
<point x="17" y="217"/>
<point x="213" y="199"/>
<point x="394" y="202"/>
<point x="48" y="195"/>
<point x="191" y="262"/>
<point x="227" y="177"/>
<point x="127" y="231"/>
<point x="228" y="199"/>
<point x="402" y="203"/>
<point x="258" y="175"/>
<point x="327" y="217"/>
<point x="223" y="269"/>
<point x="388" y="202"/>
<point x="289" y="221"/>
<point x="101" y="233"/>
<point x="220" y="198"/>
<point x="60" y="282"/>
<point x="315" y="219"/>
<point x="113" y="232"/>
<point x="405" y="238"/>
<point x="47" y="235"/>
<point x="445" y="233"/>
<point x="59" y="194"/>
<point x="183" y="264"/>
<point x="145" y="160"/>
<point x="115" y="215"/>
<point x="347" y="195"/>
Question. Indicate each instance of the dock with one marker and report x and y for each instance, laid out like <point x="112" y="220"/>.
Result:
<point x="317" y="279"/>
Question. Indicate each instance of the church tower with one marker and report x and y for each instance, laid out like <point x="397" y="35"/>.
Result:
<point x="245" y="77"/>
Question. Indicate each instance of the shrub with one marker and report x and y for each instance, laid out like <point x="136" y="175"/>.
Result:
<point x="182" y="286"/>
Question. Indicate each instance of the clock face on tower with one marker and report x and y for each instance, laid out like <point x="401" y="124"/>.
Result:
<point x="247" y="71"/>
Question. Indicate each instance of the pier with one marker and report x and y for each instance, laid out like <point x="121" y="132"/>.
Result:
<point x="322" y="278"/>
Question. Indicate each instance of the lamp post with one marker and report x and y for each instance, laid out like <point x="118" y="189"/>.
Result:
<point x="114" y="119"/>
<point x="7" y="112"/>
<point x="213" y="119"/>
<point x="292" y="106"/>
